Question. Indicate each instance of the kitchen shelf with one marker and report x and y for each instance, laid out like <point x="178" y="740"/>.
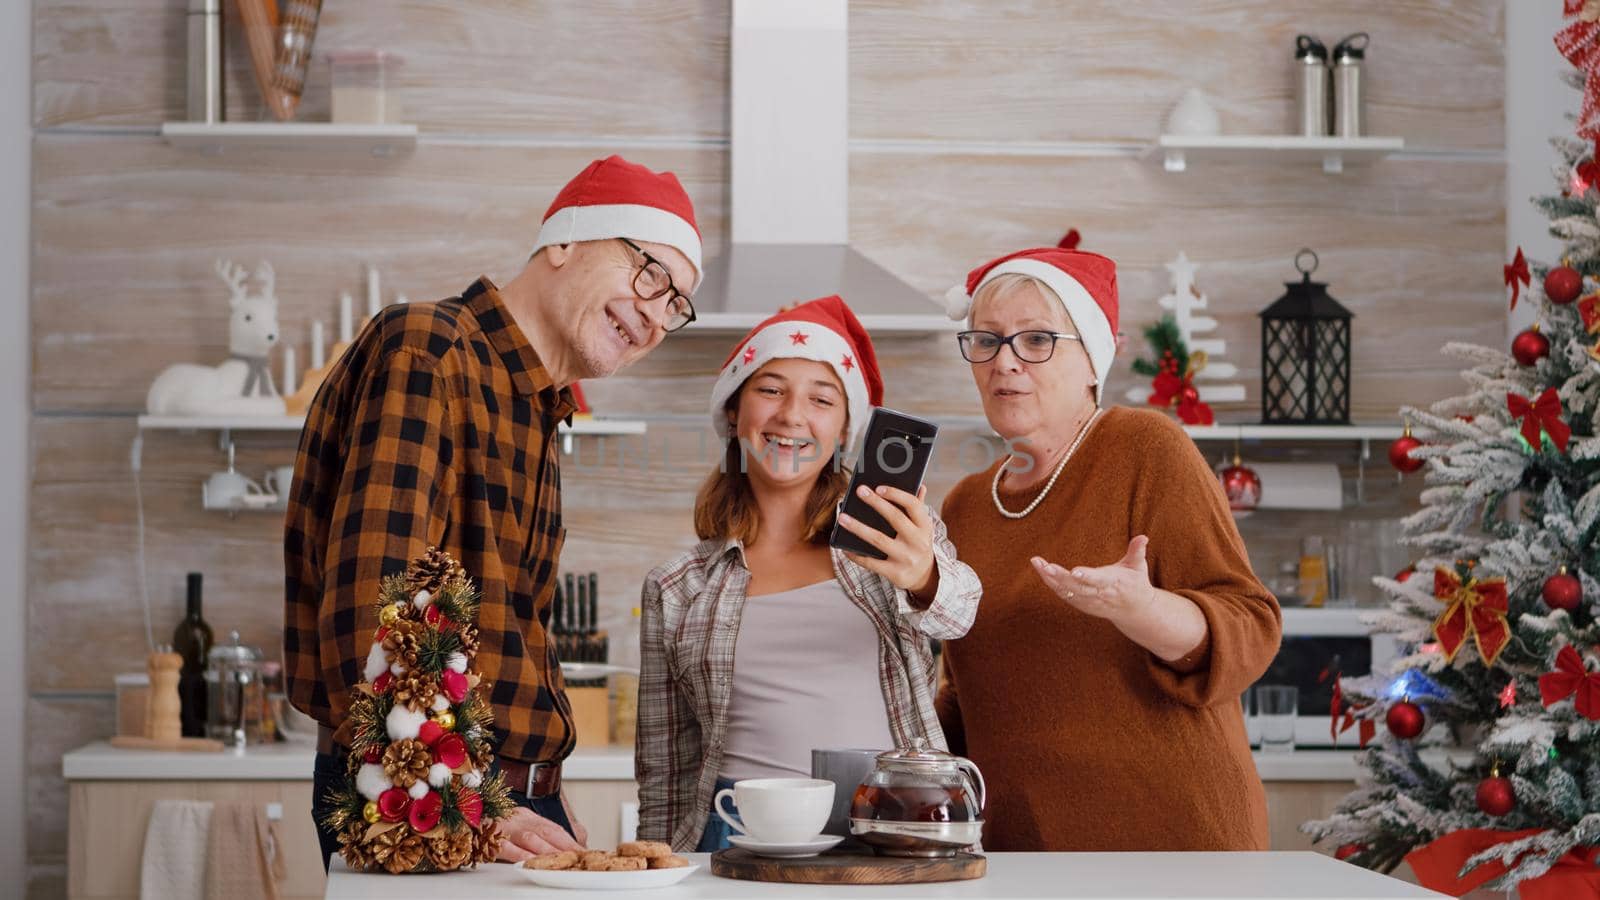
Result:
<point x="1177" y="151"/>
<point x="377" y="140"/>
<point x="1326" y="621"/>
<point x="1332" y="433"/>
<point x="228" y="424"/>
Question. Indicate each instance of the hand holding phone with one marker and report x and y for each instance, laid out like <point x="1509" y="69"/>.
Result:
<point x="888" y="522"/>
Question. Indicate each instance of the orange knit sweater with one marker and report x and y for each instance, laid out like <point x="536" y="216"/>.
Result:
<point x="1088" y="741"/>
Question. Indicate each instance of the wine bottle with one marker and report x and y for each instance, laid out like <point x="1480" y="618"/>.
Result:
<point x="192" y="640"/>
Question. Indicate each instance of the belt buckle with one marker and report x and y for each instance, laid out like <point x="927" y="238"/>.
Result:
<point x="533" y="778"/>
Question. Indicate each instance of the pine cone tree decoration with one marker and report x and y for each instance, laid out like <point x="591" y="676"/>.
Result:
<point x="451" y="850"/>
<point x="486" y="849"/>
<point x="415" y="689"/>
<point x="357" y="853"/>
<point x="406" y="762"/>
<point x="469" y="640"/>
<point x="408" y="851"/>
<point x="431" y="572"/>
<point x="481" y="753"/>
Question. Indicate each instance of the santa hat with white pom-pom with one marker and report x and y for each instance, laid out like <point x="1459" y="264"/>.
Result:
<point x="1085" y="283"/>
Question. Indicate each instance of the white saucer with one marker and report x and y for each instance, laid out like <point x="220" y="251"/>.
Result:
<point x="798" y="850"/>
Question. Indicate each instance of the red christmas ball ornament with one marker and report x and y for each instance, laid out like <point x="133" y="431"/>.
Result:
<point x="1243" y="487"/>
<point x="1189" y="394"/>
<point x="1348" y="850"/>
<point x="1400" y="452"/>
<point x="1563" y="591"/>
<point x="1530" y="346"/>
<point x="1495" y="796"/>
<point x="1563" y="284"/>
<point x="1405" y="720"/>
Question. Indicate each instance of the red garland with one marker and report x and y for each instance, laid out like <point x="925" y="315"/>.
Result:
<point x="1579" y="42"/>
<point x="1571" y="678"/>
<point x="1541" y="414"/>
<point x="1517" y="276"/>
<point x="1437" y="866"/>
<point x="1477" y="608"/>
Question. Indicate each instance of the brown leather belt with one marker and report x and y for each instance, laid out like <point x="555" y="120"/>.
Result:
<point x="535" y="780"/>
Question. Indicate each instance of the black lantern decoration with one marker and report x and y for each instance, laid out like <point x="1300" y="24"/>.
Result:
<point x="1305" y="355"/>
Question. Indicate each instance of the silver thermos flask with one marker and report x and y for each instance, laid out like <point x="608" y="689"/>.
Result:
<point x="1349" y="116"/>
<point x="205" y="61"/>
<point x="1312" y="98"/>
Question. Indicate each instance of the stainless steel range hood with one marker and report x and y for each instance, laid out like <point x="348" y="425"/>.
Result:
<point x="789" y="180"/>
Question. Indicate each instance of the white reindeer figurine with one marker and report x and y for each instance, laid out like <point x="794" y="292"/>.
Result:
<point x="243" y="385"/>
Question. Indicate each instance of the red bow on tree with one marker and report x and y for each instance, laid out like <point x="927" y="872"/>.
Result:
<point x="1541" y="414"/>
<point x="1589" y="309"/>
<point x="1517" y="276"/>
<point x="1475" y="607"/>
<point x="1337" y="727"/>
<point x="1569" y="678"/>
<point x="1579" y="42"/>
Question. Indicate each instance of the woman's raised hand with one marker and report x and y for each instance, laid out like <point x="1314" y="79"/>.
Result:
<point x="1115" y="592"/>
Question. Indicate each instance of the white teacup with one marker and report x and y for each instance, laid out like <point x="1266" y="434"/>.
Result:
<point x="278" y="480"/>
<point x="230" y="490"/>
<point x="778" y="810"/>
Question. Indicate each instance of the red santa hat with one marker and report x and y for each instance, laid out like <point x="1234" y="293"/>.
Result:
<point x="824" y="330"/>
<point x="614" y="198"/>
<point x="1085" y="283"/>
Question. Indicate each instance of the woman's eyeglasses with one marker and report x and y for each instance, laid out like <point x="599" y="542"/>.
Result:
<point x="1029" y="346"/>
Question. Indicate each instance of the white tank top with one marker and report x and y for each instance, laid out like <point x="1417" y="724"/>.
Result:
<point x="805" y="676"/>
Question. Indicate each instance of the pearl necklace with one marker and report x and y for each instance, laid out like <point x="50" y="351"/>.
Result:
<point x="994" y="489"/>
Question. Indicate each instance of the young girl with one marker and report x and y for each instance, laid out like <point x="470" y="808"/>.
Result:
<point x="762" y="642"/>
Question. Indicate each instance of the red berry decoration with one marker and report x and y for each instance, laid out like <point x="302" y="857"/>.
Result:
<point x="1495" y="796"/>
<point x="1563" y="591"/>
<point x="1530" y="346"/>
<point x="1400" y="452"/>
<point x="1405" y="720"/>
<point x="1405" y="574"/>
<point x="1563" y="284"/>
<point x="1348" y="850"/>
<point x="1243" y="487"/>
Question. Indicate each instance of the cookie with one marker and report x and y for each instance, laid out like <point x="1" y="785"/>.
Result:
<point x="566" y="859"/>
<point x="597" y="860"/>
<point x="626" y="864"/>
<point x="668" y="862"/>
<point x="646" y="849"/>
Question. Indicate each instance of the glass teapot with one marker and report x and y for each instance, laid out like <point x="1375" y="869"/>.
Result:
<point x="919" y="802"/>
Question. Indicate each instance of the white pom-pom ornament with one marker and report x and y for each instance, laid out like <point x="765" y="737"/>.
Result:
<point x="440" y="703"/>
<point x="456" y="662"/>
<point x="377" y="662"/>
<point x="370" y="781"/>
<point x="438" y="775"/>
<point x="418" y="790"/>
<point x="403" y="724"/>
<point x="422" y="599"/>
<point x="472" y="779"/>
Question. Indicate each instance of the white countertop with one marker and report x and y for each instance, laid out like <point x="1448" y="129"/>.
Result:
<point x="1012" y="876"/>
<point x="292" y="762"/>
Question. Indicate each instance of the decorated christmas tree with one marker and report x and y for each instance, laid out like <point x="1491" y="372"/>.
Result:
<point x="418" y="796"/>
<point x="1499" y="610"/>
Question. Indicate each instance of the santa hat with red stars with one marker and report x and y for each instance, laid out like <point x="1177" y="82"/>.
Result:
<point x="824" y="330"/>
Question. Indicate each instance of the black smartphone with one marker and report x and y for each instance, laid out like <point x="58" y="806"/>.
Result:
<point x="895" y="453"/>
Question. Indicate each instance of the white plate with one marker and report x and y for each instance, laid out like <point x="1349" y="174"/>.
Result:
<point x="577" y="879"/>
<point x="799" y="850"/>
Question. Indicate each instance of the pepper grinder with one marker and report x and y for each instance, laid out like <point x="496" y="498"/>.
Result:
<point x="162" y="719"/>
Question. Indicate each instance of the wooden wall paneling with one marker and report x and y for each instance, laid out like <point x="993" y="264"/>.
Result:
<point x="1110" y="70"/>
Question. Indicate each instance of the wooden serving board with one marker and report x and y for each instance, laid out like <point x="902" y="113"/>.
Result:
<point x="181" y="745"/>
<point x="846" y="868"/>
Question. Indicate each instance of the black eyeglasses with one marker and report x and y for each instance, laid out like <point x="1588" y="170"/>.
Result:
<point x="1029" y="346"/>
<point x="652" y="282"/>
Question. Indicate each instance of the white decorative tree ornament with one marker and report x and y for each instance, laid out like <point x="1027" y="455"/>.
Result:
<point x="243" y="384"/>
<point x="1185" y="302"/>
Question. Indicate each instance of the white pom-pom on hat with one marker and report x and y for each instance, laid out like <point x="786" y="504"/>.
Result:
<point x="438" y="775"/>
<point x="377" y="661"/>
<point x="957" y="303"/>
<point x="370" y="781"/>
<point x="402" y="724"/>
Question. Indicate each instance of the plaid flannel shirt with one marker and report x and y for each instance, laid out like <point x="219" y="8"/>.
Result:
<point x="691" y="610"/>
<point x="437" y="427"/>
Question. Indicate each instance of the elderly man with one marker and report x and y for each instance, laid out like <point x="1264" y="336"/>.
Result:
<point x="438" y="428"/>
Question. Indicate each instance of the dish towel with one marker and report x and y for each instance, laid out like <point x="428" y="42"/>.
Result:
<point x="242" y="859"/>
<point x="174" y="863"/>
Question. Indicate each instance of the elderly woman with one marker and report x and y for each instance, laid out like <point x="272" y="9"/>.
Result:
<point x="1099" y="687"/>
